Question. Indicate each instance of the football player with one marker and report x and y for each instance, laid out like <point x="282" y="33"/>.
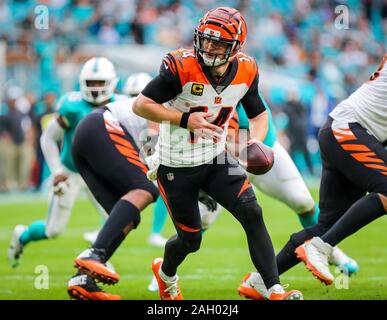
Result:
<point x="97" y="81"/>
<point x="106" y="151"/>
<point x="353" y="190"/>
<point x="200" y="90"/>
<point x="283" y="182"/>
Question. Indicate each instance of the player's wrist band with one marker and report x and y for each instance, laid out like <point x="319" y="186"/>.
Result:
<point x="184" y="120"/>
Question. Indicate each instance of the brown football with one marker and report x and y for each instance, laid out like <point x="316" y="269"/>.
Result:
<point x="260" y="158"/>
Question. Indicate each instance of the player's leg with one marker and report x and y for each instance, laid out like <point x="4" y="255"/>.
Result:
<point x="363" y="161"/>
<point x="228" y="185"/>
<point x="284" y="183"/>
<point x="209" y="212"/>
<point x="130" y="192"/>
<point x="160" y="213"/>
<point x="91" y="236"/>
<point x="59" y="211"/>
<point x="179" y="187"/>
<point x="367" y="170"/>
<point x="83" y="286"/>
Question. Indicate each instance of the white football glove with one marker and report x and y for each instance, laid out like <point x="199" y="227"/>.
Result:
<point x="61" y="188"/>
<point x="153" y="163"/>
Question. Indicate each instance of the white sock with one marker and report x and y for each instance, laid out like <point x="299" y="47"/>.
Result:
<point x="167" y="278"/>
<point x="277" y="288"/>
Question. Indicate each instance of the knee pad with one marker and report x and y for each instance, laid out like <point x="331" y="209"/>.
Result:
<point x="301" y="203"/>
<point x="248" y="213"/>
<point x="192" y="241"/>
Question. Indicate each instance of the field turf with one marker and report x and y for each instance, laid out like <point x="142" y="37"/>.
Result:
<point x="214" y="272"/>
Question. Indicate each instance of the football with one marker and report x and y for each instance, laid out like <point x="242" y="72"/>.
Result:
<point x="260" y="158"/>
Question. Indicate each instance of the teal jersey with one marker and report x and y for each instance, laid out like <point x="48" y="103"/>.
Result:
<point x="72" y="108"/>
<point x="243" y="122"/>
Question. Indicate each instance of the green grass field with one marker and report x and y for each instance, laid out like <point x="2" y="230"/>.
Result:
<point x="214" y="272"/>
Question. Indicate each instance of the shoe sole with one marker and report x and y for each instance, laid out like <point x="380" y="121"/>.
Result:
<point x="97" y="271"/>
<point x="301" y="254"/>
<point x="295" y="296"/>
<point x="78" y="293"/>
<point x="245" y="292"/>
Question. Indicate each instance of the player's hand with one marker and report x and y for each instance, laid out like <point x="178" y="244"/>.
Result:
<point x="198" y="124"/>
<point x="60" y="184"/>
<point x="243" y="163"/>
<point x="210" y="203"/>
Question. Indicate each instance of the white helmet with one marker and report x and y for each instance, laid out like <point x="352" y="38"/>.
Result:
<point x="98" y="68"/>
<point x="136" y="83"/>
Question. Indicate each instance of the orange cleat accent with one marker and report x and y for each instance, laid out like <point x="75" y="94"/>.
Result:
<point x="83" y="287"/>
<point x="249" y="292"/>
<point x="78" y="293"/>
<point x="167" y="291"/>
<point x="291" y="295"/>
<point x="96" y="270"/>
<point x="301" y="254"/>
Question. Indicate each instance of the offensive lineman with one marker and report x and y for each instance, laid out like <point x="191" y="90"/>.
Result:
<point x="353" y="189"/>
<point x="352" y="143"/>
<point x="97" y="83"/>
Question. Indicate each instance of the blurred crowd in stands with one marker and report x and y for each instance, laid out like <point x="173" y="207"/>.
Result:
<point x="331" y="49"/>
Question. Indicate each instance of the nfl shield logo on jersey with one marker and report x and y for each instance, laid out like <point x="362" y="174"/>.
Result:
<point x="170" y="176"/>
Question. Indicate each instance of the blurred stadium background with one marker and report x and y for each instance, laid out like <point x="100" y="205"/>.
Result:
<point x="307" y="64"/>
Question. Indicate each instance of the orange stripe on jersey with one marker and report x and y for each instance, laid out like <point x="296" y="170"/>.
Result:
<point x="366" y="157"/>
<point x="121" y="141"/>
<point x="188" y="67"/>
<point x="355" y="147"/>
<point x="245" y="186"/>
<point x="247" y="70"/>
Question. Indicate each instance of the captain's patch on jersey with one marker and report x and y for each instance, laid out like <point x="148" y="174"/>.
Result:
<point x="197" y="89"/>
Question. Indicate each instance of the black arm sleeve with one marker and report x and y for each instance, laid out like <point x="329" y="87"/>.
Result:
<point x="167" y="84"/>
<point x="252" y="102"/>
